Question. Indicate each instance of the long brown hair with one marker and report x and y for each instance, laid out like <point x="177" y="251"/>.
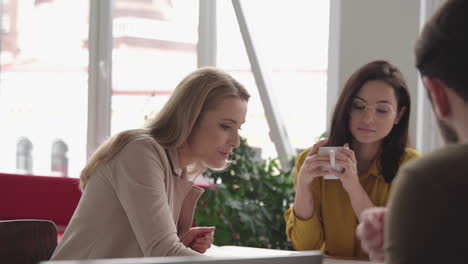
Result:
<point x="202" y="90"/>
<point x="393" y="145"/>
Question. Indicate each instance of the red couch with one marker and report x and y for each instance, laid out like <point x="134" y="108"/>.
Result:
<point x="39" y="197"/>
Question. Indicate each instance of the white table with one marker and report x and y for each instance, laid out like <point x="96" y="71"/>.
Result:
<point x="233" y="251"/>
<point x="341" y="261"/>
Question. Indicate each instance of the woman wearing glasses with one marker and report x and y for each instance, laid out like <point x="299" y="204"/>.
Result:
<point x="370" y="126"/>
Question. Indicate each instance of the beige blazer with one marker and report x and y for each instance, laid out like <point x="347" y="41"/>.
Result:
<point x="137" y="205"/>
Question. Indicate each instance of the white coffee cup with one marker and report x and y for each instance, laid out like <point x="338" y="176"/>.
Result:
<point x="332" y="152"/>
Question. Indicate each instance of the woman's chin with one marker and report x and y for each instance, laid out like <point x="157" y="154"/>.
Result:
<point x="367" y="139"/>
<point x="219" y="164"/>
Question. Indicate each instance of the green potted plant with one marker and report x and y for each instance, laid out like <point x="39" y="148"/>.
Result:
<point x="248" y="201"/>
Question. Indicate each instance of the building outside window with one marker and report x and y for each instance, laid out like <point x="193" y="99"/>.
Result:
<point x="44" y="56"/>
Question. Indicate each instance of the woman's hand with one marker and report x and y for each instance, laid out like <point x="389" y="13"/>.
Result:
<point x="312" y="166"/>
<point x="349" y="176"/>
<point x="310" y="169"/>
<point x="199" y="238"/>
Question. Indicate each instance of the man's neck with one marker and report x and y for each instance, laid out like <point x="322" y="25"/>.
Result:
<point x="462" y="131"/>
<point x="460" y="122"/>
<point x="457" y="118"/>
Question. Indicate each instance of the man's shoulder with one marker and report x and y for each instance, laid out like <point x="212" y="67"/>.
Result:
<point x="448" y="161"/>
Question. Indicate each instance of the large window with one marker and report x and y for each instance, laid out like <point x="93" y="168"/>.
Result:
<point x="292" y="39"/>
<point x="155" y="46"/>
<point x="43" y="86"/>
<point x="45" y="83"/>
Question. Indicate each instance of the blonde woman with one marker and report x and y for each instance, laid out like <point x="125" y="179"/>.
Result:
<point x="138" y="199"/>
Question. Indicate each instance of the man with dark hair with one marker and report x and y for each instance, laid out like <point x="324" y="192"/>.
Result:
<point x="427" y="217"/>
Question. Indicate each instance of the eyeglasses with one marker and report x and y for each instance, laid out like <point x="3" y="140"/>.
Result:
<point x="381" y="110"/>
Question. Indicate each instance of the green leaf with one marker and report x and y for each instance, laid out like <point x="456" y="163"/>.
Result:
<point x="247" y="208"/>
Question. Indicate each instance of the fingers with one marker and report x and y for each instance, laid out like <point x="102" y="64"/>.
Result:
<point x="207" y="239"/>
<point x="345" y="154"/>
<point x="202" y="230"/>
<point x="346" y="172"/>
<point x="376" y="253"/>
<point x="373" y="219"/>
<point x="202" y="243"/>
<point x="377" y="256"/>
<point x="195" y="232"/>
<point x="199" y="247"/>
<point x="370" y="232"/>
<point x="315" y="148"/>
<point x="314" y="161"/>
<point x="313" y="168"/>
<point x="371" y="238"/>
<point x="371" y="225"/>
<point x="348" y="152"/>
<point x="375" y="214"/>
<point x="347" y="160"/>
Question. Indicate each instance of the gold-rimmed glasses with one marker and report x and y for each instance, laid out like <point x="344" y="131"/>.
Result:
<point x="381" y="110"/>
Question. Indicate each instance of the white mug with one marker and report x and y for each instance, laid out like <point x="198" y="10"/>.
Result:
<point x="332" y="152"/>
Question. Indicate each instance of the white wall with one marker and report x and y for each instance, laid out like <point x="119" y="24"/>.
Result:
<point x="366" y="30"/>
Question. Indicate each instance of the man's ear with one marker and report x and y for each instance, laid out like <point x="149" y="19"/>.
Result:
<point x="438" y="93"/>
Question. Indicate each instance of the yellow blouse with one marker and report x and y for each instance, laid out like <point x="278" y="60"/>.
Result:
<point x="332" y="228"/>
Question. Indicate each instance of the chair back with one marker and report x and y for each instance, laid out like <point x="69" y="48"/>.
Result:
<point x="27" y="241"/>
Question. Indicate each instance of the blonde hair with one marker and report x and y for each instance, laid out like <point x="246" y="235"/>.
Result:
<point x="202" y="90"/>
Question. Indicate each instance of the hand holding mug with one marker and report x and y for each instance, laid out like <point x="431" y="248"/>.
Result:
<point x="312" y="166"/>
<point x="347" y="160"/>
<point x="332" y="152"/>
